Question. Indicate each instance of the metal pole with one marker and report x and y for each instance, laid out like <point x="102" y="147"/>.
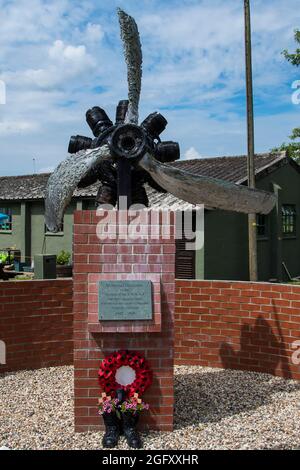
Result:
<point x="250" y="128"/>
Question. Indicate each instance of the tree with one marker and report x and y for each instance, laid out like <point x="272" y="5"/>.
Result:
<point x="292" y="148"/>
<point x="294" y="58"/>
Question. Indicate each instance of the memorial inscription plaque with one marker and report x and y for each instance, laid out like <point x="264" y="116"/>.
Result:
<point x="125" y="300"/>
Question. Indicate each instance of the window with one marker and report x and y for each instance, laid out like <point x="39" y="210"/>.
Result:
<point x="262" y="226"/>
<point x="289" y="220"/>
<point x="6" y="224"/>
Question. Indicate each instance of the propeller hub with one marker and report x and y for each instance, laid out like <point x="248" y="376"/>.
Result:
<point x="129" y="141"/>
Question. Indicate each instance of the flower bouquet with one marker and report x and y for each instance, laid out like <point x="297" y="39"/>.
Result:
<point x="133" y="405"/>
<point x="107" y="404"/>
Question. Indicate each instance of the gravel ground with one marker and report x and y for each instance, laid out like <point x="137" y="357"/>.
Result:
<point x="215" y="409"/>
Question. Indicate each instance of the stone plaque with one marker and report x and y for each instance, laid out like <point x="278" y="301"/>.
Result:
<point x="125" y="300"/>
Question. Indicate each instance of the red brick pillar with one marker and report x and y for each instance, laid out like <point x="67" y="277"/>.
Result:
<point x="151" y="256"/>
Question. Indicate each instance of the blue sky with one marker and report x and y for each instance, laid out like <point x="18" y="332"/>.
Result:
<point x="60" y="57"/>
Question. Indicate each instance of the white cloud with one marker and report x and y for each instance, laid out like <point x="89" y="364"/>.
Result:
<point x="66" y="62"/>
<point x="197" y="51"/>
<point x="61" y="57"/>
<point x="191" y="154"/>
<point x="94" y="32"/>
<point x="61" y="52"/>
<point x="8" y="128"/>
<point x="203" y="26"/>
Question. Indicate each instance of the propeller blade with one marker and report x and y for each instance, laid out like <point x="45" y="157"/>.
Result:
<point x="211" y="192"/>
<point x="65" y="179"/>
<point x="133" y="57"/>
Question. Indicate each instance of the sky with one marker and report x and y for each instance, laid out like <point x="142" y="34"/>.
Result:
<point x="60" y="57"/>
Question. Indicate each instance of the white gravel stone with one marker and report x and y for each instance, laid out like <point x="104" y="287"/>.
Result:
<point x="214" y="409"/>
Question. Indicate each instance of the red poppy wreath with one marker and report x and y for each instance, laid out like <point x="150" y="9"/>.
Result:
<point x="127" y="370"/>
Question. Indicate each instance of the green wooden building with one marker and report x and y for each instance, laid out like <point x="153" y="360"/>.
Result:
<point x="224" y="254"/>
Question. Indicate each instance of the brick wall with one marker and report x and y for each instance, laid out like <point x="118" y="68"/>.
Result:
<point x="249" y="326"/>
<point x="36" y="323"/>
<point x="142" y="258"/>
<point x="238" y="325"/>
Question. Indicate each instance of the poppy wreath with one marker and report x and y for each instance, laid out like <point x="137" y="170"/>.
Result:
<point x="133" y="359"/>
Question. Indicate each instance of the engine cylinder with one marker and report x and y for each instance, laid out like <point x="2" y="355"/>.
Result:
<point x="154" y="124"/>
<point x="79" y="142"/>
<point x="121" y="111"/>
<point x="98" y="120"/>
<point x="167" y="151"/>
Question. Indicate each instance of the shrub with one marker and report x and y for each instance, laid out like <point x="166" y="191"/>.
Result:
<point x="4" y="257"/>
<point x="63" y="257"/>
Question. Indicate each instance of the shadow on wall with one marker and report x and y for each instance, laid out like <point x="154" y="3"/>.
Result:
<point x="217" y="394"/>
<point x="261" y="349"/>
